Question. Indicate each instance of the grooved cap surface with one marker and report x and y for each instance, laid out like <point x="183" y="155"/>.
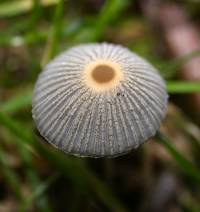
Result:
<point x="98" y="100"/>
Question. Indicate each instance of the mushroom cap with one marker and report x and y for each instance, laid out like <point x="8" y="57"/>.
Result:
<point x="98" y="100"/>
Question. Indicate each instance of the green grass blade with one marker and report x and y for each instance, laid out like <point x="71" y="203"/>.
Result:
<point x="17" y="7"/>
<point x="36" y="13"/>
<point x="110" y="11"/>
<point x="10" y="176"/>
<point x="32" y="177"/>
<point x="183" y="87"/>
<point x="15" y="128"/>
<point x="38" y="193"/>
<point x="70" y="29"/>
<point x="54" y="34"/>
<point x="17" y="102"/>
<point x="169" y="69"/>
<point x="190" y="170"/>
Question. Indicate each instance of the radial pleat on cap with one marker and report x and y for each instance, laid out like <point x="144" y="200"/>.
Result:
<point x="98" y="100"/>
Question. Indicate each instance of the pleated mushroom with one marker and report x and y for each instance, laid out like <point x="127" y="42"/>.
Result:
<point x="98" y="100"/>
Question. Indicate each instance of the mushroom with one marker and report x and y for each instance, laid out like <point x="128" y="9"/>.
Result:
<point x="98" y="100"/>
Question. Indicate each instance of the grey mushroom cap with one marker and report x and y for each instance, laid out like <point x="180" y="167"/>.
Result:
<point x="98" y="100"/>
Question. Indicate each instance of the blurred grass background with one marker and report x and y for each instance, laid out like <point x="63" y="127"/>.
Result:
<point x="162" y="175"/>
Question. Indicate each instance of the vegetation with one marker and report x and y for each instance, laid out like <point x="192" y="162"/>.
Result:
<point x="36" y="177"/>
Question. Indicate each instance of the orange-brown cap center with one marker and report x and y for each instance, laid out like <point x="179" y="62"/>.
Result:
<point x="103" y="73"/>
